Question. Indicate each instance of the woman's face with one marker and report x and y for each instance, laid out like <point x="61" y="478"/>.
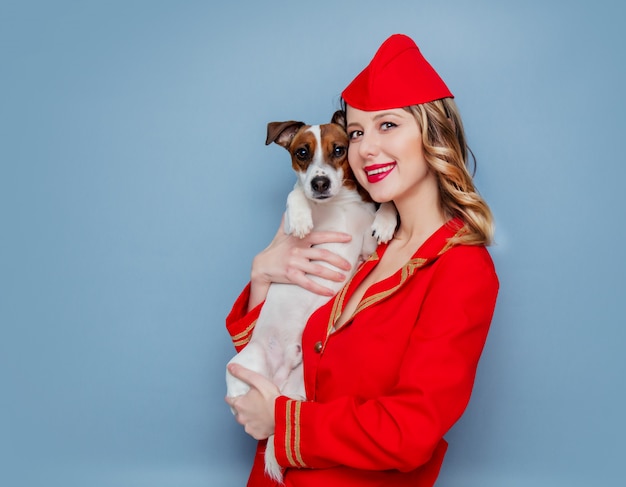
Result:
<point x="386" y="154"/>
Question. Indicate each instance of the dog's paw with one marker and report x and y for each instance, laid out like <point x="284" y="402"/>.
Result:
<point x="383" y="233"/>
<point x="385" y="223"/>
<point x="299" y="223"/>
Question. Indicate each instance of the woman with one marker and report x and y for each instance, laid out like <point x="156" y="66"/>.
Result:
<point x="389" y="363"/>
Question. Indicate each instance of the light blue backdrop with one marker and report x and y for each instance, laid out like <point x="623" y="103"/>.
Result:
<point x="135" y="188"/>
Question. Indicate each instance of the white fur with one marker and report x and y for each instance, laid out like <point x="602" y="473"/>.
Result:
<point x="274" y="349"/>
<point x="385" y="222"/>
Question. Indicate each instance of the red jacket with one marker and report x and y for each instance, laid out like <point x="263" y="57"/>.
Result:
<point x="385" y="388"/>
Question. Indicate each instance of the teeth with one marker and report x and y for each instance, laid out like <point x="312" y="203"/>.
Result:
<point x="380" y="170"/>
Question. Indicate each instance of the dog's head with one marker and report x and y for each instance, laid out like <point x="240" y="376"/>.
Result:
<point x="319" y="154"/>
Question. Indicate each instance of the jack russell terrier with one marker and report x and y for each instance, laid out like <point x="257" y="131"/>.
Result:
<point x="325" y="197"/>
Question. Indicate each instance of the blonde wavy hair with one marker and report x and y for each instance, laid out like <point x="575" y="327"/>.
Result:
<point x="446" y="151"/>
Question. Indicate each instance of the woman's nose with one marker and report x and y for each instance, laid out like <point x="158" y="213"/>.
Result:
<point x="368" y="145"/>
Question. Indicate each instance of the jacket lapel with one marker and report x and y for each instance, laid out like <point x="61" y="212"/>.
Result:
<point x="436" y="245"/>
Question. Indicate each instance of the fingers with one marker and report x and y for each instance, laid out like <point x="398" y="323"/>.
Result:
<point x="255" y="380"/>
<point x="317" y="254"/>
<point x="316" y="238"/>
<point x="303" y="281"/>
<point x="250" y="377"/>
<point x="231" y="401"/>
<point x="319" y="270"/>
<point x="292" y="260"/>
<point x="259" y="428"/>
<point x="255" y="409"/>
<point x="314" y="261"/>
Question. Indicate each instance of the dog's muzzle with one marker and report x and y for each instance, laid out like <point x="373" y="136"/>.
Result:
<point x="320" y="186"/>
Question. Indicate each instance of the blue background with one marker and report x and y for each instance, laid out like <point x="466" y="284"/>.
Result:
<point x="135" y="188"/>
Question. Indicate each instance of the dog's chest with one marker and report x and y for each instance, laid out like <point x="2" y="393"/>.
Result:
<point x="342" y="216"/>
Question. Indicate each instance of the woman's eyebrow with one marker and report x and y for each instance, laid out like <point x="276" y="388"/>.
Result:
<point x="384" y="114"/>
<point x="375" y="118"/>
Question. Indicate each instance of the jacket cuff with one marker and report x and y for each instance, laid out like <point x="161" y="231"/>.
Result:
<point x="240" y="322"/>
<point x="287" y="432"/>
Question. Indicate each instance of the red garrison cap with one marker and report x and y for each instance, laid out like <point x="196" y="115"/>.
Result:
<point x="398" y="76"/>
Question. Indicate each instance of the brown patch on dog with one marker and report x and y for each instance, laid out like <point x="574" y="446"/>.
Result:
<point x="302" y="149"/>
<point x="339" y="138"/>
<point x="302" y="145"/>
<point x="282" y="132"/>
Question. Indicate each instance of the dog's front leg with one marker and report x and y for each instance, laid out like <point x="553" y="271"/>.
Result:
<point x="298" y="217"/>
<point x="385" y="222"/>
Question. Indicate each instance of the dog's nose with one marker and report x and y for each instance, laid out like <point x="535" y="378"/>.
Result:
<point x="320" y="184"/>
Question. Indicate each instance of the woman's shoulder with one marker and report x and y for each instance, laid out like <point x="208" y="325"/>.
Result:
<point x="466" y="272"/>
<point x="474" y="259"/>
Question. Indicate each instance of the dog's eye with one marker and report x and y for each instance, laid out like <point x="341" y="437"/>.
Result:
<point x="302" y="154"/>
<point x="339" y="151"/>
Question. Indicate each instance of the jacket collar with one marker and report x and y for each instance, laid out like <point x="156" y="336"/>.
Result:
<point x="437" y="244"/>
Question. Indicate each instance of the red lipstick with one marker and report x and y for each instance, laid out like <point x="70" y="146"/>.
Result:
<point x="378" y="172"/>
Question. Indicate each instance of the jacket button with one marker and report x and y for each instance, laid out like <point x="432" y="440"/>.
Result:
<point x="318" y="347"/>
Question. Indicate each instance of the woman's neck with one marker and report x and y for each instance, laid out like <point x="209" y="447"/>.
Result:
<point x="420" y="217"/>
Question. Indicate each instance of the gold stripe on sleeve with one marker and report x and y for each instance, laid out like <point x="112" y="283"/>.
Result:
<point x="297" y="435"/>
<point x="247" y="331"/>
<point x="288" y="433"/>
<point x="292" y="434"/>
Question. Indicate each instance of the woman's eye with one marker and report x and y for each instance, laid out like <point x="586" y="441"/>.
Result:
<point x="354" y="134"/>
<point x="387" y="125"/>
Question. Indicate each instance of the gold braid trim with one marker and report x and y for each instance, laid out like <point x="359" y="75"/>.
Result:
<point x="450" y="243"/>
<point x="407" y="271"/>
<point x="288" y="434"/>
<point x="296" y="423"/>
<point x="340" y="297"/>
<point x="293" y="407"/>
<point x="247" y="331"/>
<point x="240" y="343"/>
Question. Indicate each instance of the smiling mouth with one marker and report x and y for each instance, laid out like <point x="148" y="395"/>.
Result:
<point x="376" y="173"/>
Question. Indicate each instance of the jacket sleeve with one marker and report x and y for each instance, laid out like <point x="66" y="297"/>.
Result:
<point x="240" y="322"/>
<point x="403" y="428"/>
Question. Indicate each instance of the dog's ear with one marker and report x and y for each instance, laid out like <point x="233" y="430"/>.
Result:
<point x="282" y="132"/>
<point x="339" y="117"/>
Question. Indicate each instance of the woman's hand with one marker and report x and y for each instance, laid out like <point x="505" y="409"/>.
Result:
<point x="255" y="409"/>
<point x="289" y="259"/>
